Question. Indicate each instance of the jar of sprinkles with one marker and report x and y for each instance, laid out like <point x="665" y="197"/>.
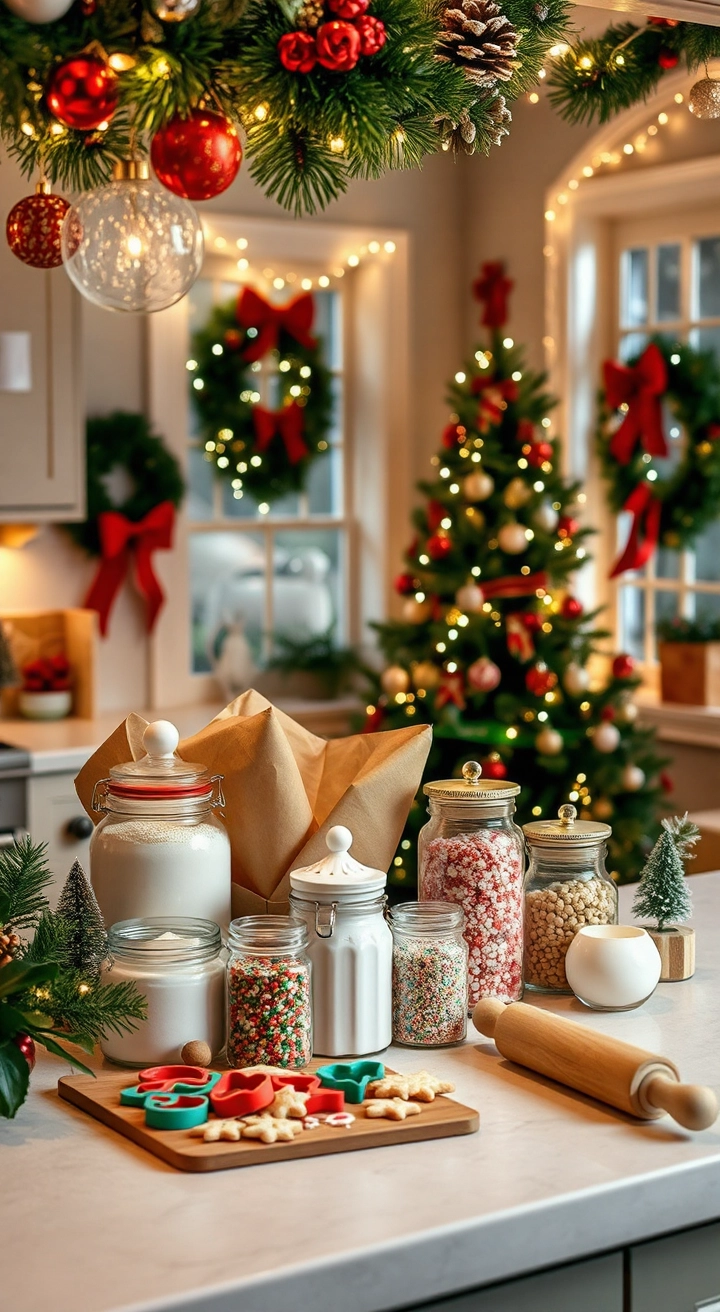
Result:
<point x="472" y="853"/>
<point x="430" y="974"/>
<point x="567" y="887"/>
<point x="269" y="998"/>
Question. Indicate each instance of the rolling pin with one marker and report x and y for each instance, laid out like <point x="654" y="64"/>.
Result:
<point x="635" y="1081"/>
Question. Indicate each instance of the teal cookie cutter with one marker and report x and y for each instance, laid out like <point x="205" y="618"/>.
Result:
<point x="137" y="1094"/>
<point x="352" y="1078"/>
<point x="175" y="1111"/>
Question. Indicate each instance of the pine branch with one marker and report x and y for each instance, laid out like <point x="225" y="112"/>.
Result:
<point x="93" y="1010"/>
<point x="684" y="833"/>
<point x="24" y="876"/>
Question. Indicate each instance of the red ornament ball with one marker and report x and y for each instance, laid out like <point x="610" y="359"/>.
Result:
<point x="439" y="546"/>
<point x="539" y="679"/>
<point x="348" y="8"/>
<point x="372" y="38"/>
<point x="405" y="585"/>
<point x="666" y="782"/>
<point x="668" y="58"/>
<point x="539" y="452"/>
<point x="494" y="768"/>
<point x="82" y="92"/>
<point x="571" y="608"/>
<point x="196" y="157"/>
<point x="567" y="526"/>
<point x="623" y="667"/>
<point x="297" y="52"/>
<point x="33" y="230"/>
<point x="436" y="513"/>
<point x="532" y="621"/>
<point x="608" y="714"/>
<point x="453" y="434"/>
<point x="338" y="46"/>
<point x="26" y="1047"/>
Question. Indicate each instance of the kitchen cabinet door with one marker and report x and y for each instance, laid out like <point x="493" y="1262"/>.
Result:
<point x="677" y="1274"/>
<point x="593" y="1286"/>
<point x="56" y="817"/>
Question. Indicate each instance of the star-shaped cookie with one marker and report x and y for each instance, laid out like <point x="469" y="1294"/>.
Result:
<point x="288" y="1102"/>
<point x="392" y="1109"/>
<point x="421" y="1085"/>
<point x="212" y="1131"/>
<point x="270" y="1128"/>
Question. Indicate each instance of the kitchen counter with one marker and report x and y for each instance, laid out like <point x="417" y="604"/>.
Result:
<point x="94" y="1224"/>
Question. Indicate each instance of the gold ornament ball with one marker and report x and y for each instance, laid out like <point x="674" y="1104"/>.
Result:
<point x="545" y="517"/>
<point x="512" y="539"/>
<point x="602" y="808"/>
<point x="470" y="598"/>
<point x="196" y="1053"/>
<point x="605" y="737"/>
<point x="575" y="679"/>
<point x="416" y="612"/>
<point x="704" y="98"/>
<point x="426" y="675"/>
<point x="394" y="680"/>
<point x="549" y="742"/>
<point x="517" y="493"/>
<point x="478" y="486"/>
<point x="632" y="778"/>
<point x="627" y="713"/>
<point x="174" y="11"/>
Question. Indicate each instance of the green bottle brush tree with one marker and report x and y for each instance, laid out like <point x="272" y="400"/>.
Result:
<point x="664" y="897"/>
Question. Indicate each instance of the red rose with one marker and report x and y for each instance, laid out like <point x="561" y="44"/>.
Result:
<point x="348" y="8"/>
<point x="297" y="52"/>
<point x="372" y="33"/>
<point x="337" y="46"/>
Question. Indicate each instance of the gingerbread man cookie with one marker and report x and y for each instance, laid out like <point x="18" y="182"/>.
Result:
<point x="391" y="1109"/>
<point x="288" y="1102"/>
<point x="270" y="1128"/>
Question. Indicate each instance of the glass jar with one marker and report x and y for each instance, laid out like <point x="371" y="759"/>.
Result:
<point x="430" y="974"/>
<point x="269" y="998"/>
<point x="343" y="905"/>
<point x="178" y="966"/>
<point x="567" y="887"/>
<point x="472" y="853"/>
<point x="160" y="850"/>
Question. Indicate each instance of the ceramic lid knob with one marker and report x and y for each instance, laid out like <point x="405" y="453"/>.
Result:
<point x="339" y="839"/>
<point x="160" y="739"/>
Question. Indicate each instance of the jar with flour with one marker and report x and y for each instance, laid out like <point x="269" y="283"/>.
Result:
<point x="160" y="849"/>
<point x="343" y="905"/>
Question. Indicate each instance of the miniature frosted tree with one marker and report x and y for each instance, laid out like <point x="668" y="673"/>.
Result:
<point x="86" y="943"/>
<point x="663" y="895"/>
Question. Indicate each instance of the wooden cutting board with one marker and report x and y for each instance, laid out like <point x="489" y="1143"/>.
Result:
<point x="101" y="1098"/>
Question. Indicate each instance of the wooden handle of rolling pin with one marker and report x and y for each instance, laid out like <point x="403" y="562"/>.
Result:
<point x="635" y="1081"/>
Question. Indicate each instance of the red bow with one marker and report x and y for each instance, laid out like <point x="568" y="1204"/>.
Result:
<point x="645" y="507"/>
<point x="295" y="318"/>
<point x="492" y="289"/>
<point x="494" y="395"/>
<point x="451" y="690"/>
<point x="514" y="585"/>
<point x="119" y="538"/>
<point x="288" y="423"/>
<point x="641" y="389"/>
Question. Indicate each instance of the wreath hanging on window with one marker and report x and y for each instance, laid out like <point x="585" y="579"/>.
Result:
<point x="264" y="452"/>
<point x="669" y="505"/>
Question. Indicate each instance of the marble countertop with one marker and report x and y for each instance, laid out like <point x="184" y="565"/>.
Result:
<point x="95" y="1224"/>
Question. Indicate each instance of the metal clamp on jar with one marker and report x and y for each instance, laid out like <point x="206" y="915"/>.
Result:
<point x="343" y="905"/>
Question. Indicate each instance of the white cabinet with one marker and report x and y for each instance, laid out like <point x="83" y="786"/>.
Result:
<point x="56" y="817"/>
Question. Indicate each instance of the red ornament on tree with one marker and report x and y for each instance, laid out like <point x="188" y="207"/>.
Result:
<point x="405" y="584"/>
<point x="532" y="621"/>
<point x="348" y="8"/>
<point x="539" y="452"/>
<point x="372" y="34"/>
<point x="436" y="513"/>
<point x="453" y="434"/>
<point x="373" y="720"/>
<point x="338" y="46"/>
<point x="26" y="1047"/>
<point x="196" y="157"/>
<point x="297" y="52"/>
<point x="608" y="714"/>
<point x="567" y="526"/>
<point x="439" y="546"/>
<point x="33" y="228"/>
<point x="539" y="679"/>
<point x="666" y="782"/>
<point x="623" y="667"/>
<point x="82" y="92"/>
<point x="668" y="58"/>
<point x="494" y="768"/>
<point x="571" y="608"/>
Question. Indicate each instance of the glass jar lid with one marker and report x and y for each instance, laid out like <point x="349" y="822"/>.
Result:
<point x="472" y="788"/>
<point x="160" y="772"/>
<point x="566" y="831"/>
<point x="338" y="873"/>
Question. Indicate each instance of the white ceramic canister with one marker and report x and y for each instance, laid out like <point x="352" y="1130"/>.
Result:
<point x="160" y="850"/>
<point x="343" y="905"/>
<point x="177" y="963"/>
<point x="613" y="967"/>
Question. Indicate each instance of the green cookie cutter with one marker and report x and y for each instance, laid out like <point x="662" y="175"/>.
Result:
<point x="175" y="1111"/>
<point x="136" y="1094"/>
<point x="351" y="1077"/>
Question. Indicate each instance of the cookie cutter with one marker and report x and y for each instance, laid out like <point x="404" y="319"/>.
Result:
<point x="173" y="1111"/>
<point x="188" y="1074"/>
<point x="237" y="1094"/>
<point x="136" y="1094"/>
<point x="352" y="1078"/>
<point x="320" y="1100"/>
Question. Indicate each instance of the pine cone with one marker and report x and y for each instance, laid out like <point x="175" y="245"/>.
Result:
<point x="500" y="120"/>
<point x="310" y="15"/>
<point x="480" y="40"/>
<point x="457" y="136"/>
<point x="9" y="944"/>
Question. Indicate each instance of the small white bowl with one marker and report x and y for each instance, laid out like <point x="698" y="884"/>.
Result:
<point x="612" y="967"/>
<point x="45" y="705"/>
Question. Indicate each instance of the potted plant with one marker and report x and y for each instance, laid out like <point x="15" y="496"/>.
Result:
<point x="311" y="666"/>
<point x="689" y="652"/>
<point x="46" y="693"/>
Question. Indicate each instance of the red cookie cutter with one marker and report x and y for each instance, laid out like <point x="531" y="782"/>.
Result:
<point x="157" y="1076"/>
<point x="320" y="1100"/>
<point x="237" y="1094"/>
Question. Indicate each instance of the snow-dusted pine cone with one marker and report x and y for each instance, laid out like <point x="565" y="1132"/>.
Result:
<point x="310" y="15"/>
<point x="480" y="40"/>
<point x="457" y="136"/>
<point x="500" y="120"/>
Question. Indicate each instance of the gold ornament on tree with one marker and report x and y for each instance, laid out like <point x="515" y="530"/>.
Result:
<point x="517" y="493"/>
<point x="416" y="612"/>
<point x="426" y="675"/>
<point x="512" y="539"/>
<point x="394" y="680"/>
<point x="478" y="486"/>
<point x="480" y="40"/>
<point x="704" y="98"/>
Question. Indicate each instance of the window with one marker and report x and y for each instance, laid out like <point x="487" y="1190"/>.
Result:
<point x="669" y="283"/>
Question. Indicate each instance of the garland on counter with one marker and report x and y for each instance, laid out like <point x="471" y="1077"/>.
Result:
<point x="672" y="503"/>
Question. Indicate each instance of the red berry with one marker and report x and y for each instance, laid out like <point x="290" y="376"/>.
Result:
<point x="26" y="1047"/>
<point x="623" y="667"/>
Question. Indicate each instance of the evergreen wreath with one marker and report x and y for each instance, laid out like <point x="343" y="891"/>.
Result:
<point x="126" y="440"/>
<point x="266" y="453"/>
<point x="687" y="496"/>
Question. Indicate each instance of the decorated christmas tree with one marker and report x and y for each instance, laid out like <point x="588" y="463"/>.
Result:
<point x="493" y="646"/>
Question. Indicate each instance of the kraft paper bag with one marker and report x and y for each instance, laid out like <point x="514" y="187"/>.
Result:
<point x="284" y="788"/>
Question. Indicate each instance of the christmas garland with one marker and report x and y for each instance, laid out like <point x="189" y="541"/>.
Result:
<point x="266" y="453"/>
<point x="671" y="507"/>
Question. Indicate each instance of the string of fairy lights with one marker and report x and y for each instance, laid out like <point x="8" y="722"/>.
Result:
<point x="291" y="279"/>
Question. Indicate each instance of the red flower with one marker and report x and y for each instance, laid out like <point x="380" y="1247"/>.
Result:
<point x="348" y="8"/>
<point x="338" y="46"/>
<point x="48" y="674"/>
<point x="372" y="31"/>
<point x="297" y="52"/>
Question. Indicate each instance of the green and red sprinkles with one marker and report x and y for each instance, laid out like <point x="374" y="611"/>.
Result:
<point x="270" y="1016"/>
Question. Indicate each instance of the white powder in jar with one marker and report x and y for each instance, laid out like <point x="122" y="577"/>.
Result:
<point x="141" y="867"/>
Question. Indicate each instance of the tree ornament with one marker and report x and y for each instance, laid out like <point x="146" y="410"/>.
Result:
<point x="425" y="674"/>
<point x="453" y="435"/>
<point x="623" y="666"/>
<point x="567" y="526"/>
<point x="632" y="778"/>
<point x="338" y="46"/>
<point x="607" y="713"/>
<point x="539" y="679"/>
<point x="480" y="40"/>
<point x="348" y="9"/>
<point x="512" y="539"/>
<point x="394" y="680"/>
<point x="34" y="227"/>
<point x="494" y="767"/>
<point x="602" y="808"/>
<point x="483" y="675"/>
<point x="478" y="486"/>
<point x="545" y="518"/>
<point x="571" y="608"/>
<point x="38" y="11"/>
<point x="470" y="598"/>
<point x="668" y="58"/>
<point x="173" y="11"/>
<point x="131" y="245"/>
<point x="451" y="692"/>
<point x="197" y="157"/>
<point x="436" y="513"/>
<point x="575" y="679"/>
<point x="297" y="52"/>
<point x="86" y="946"/>
<point x="549" y="742"/>
<point x="372" y="33"/>
<point x="405" y="585"/>
<point x="416" y="612"/>
<point x="532" y="621"/>
<point x="25" y="1045"/>
<point x="627" y="712"/>
<point x="517" y="493"/>
<point x="310" y="15"/>
<point x="539" y="453"/>
<point x="439" y="546"/>
<point x="605" y="737"/>
<point x="82" y="92"/>
<point x="704" y="98"/>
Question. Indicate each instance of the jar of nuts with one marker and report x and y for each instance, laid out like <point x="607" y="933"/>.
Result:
<point x="566" y="887"/>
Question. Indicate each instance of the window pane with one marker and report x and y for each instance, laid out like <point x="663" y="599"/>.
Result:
<point x="632" y="621"/>
<point x="707" y="606"/>
<point x="667" y="563"/>
<point x="325" y="490"/>
<point x="227" y="588"/>
<point x="632" y="344"/>
<point x="200" y="486"/>
<point x="308" y="586"/>
<point x="667" y="605"/>
<point x="327" y="325"/>
<point x="706" y="339"/>
<point x="707" y="274"/>
<point x="634" y="287"/>
<point x="707" y="555"/>
<point x="668" y="282"/>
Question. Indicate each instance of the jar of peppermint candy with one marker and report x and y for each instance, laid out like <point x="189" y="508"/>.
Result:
<point x="472" y="853"/>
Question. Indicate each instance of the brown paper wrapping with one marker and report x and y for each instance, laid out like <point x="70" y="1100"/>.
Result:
<point x="284" y="788"/>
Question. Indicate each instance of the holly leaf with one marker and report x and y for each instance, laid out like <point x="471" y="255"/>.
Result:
<point x="12" y="1021"/>
<point x="42" y="1037"/>
<point x="14" y="1077"/>
<point x="22" y="975"/>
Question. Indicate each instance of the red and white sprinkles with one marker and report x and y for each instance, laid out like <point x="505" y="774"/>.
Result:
<point x="483" y="873"/>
